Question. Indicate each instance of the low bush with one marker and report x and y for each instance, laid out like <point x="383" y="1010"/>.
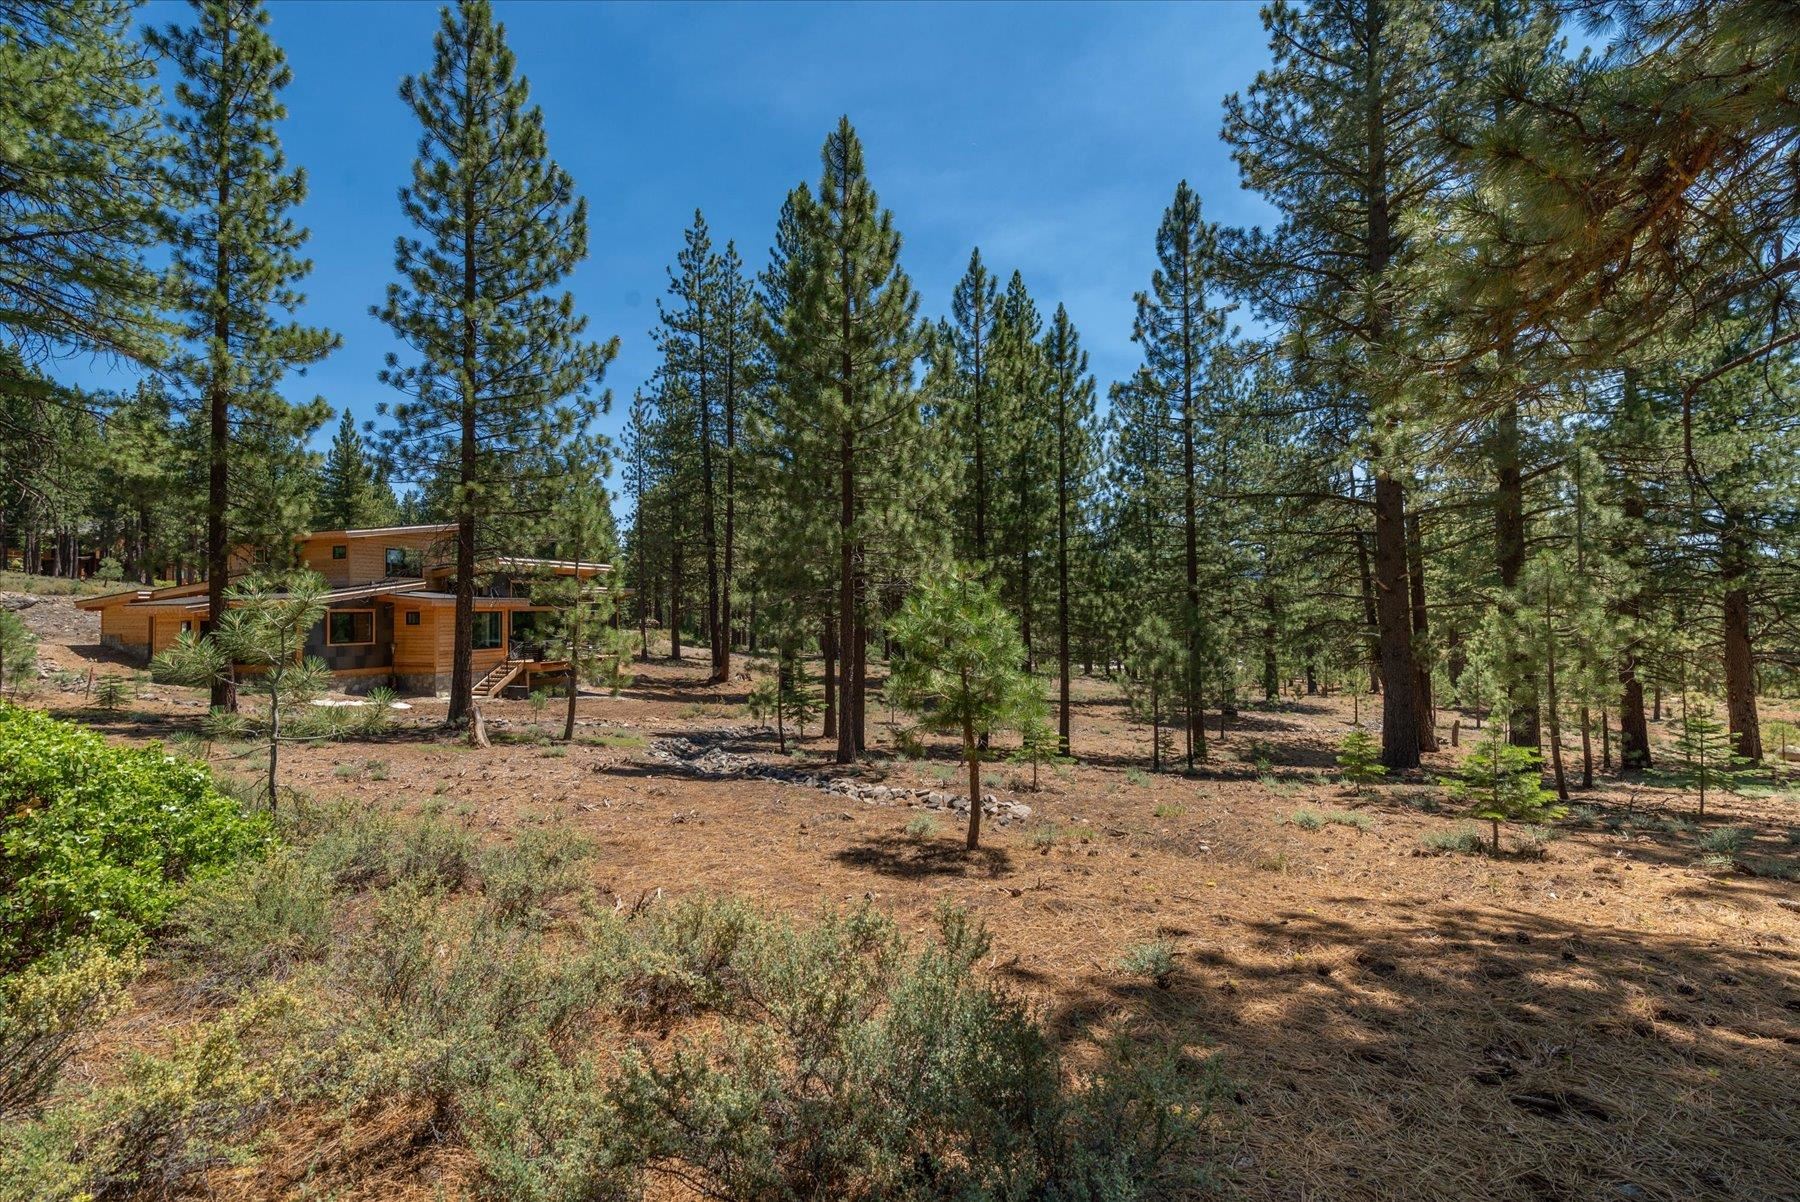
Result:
<point x="1153" y="960"/>
<point x="521" y="880"/>
<point x="1726" y="840"/>
<point x="48" y="1011"/>
<point x="922" y="828"/>
<point x="256" y="922"/>
<point x="1464" y="839"/>
<point x="1307" y="820"/>
<point x="434" y="854"/>
<point x="96" y="840"/>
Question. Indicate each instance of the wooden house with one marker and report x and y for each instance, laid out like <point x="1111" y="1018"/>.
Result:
<point x="390" y="613"/>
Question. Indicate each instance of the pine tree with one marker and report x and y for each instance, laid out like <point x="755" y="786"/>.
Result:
<point x="577" y="528"/>
<point x="1179" y="334"/>
<point x="498" y="364"/>
<point x="353" y="493"/>
<point x="1341" y="134"/>
<point x="975" y="411"/>
<point x="83" y="197"/>
<point x="1504" y="783"/>
<point x="238" y="268"/>
<point x="958" y="667"/>
<point x="1071" y="420"/>
<point x="845" y="416"/>
<point x="266" y="629"/>
<point x="1706" y="752"/>
<point x="1022" y="506"/>
<point x="1155" y="667"/>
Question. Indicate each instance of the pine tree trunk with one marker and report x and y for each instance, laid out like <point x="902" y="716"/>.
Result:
<point x="1550" y="705"/>
<point x="847" y="655"/>
<point x="1371" y="623"/>
<point x="709" y="529"/>
<point x="973" y="756"/>
<point x="1634" y="731"/>
<point x="218" y="410"/>
<point x="828" y="652"/>
<point x="1062" y="574"/>
<point x="1399" y="714"/>
<point x="1740" y="662"/>
<point x="1271" y="665"/>
<point x="676" y="565"/>
<point x="1587" y="749"/>
<point x="1421" y="631"/>
<point x="730" y="550"/>
<point x="462" y="656"/>
<point x="1509" y="562"/>
<point x="860" y="680"/>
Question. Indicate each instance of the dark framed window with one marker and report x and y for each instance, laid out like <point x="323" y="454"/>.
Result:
<point x="521" y="627"/>
<point x="349" y="627"/>
<point x="187" y="626"/>
<point x="412" y="617"/>
<point x="340" y="551"/>
<point x="402" y="561"/>
<point x="487" y="631"/>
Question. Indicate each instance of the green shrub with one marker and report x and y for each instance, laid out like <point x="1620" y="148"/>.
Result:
<point x="1137" y="776"/>
<point x="1044" y="835"/>
<point x="355" y="847"/>
<point x="1360" y="822"/>
<point x="96" y="840"/>
<point x="168" y="1119"/>
<point x="1154" y="960"/>
<point x="921" y="828"/>
<point x="434" y="854"/>
<point x="1169" y="809"/>
<point x="1726" y="840"/>
<point x="1307" y="820"/>
<point x="48" y="1011"/>
<point x="521" y="880"/>
<point x="1465" y="839"/>
<point x="259" y="921"/>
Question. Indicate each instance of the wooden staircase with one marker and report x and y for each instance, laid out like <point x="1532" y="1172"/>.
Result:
<point x="503" y="674"/>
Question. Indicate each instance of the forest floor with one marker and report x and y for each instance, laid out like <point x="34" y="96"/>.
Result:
<point x="1598" y="1015"/>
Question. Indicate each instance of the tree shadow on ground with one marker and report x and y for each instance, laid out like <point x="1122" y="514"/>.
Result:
<point x="911" y="860"/>
<point x="1395" y="1051"/>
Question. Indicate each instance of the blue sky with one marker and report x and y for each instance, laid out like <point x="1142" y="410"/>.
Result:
<point x="1052" y="136"/>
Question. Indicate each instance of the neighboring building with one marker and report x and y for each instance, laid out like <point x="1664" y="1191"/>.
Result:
<point x="391" y="611"/>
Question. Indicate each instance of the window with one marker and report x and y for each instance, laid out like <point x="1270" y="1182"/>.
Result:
<point x="487" y="631"/>
<point x="340" y="551"/>
<point x="522" y="627"/>
<point x="402" y="561"/>
<point x="187" y="626"/>
<point x="412" y="617"/>
<point x="349" y="627"/>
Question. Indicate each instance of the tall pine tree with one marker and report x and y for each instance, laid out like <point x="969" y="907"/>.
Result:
<point x="238" y="268"/>
<point x="498" y="364"/>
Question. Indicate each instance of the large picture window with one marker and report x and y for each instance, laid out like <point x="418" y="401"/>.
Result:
<point x="403" y="561"/>
<point x="348" y="627"/>
<point x="487" y="631"/>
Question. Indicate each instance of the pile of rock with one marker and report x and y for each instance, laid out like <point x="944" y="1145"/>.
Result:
<point x="714" y="761"/>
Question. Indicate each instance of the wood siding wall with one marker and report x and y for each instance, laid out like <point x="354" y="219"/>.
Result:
<point x="365" y="558"/>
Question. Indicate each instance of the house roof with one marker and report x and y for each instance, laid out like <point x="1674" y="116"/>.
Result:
<point x="373" y="531"/>
<point x="140" y="595"/>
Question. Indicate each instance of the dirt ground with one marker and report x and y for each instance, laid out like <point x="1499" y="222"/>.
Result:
<point x="1599" y="1017"/>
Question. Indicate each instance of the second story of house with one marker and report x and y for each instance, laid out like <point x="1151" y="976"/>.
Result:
<point x="350" y="557"/>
